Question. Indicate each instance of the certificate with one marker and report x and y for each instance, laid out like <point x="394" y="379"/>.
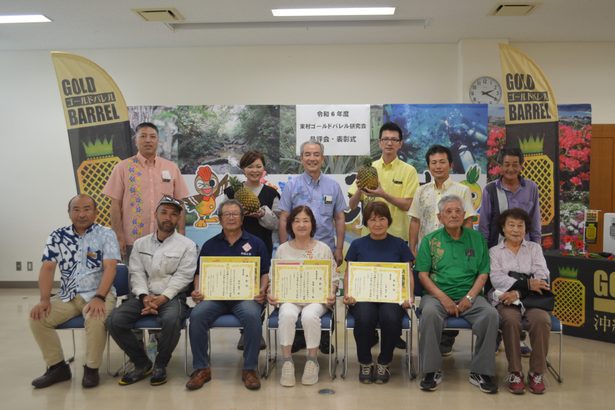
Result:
<point x="307" y="281"/>
<point x="229" y="278"/>
<point x="382" y="282"/>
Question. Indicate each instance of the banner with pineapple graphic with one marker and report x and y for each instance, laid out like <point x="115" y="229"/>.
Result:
<point x="532" y="124"/>
<point x="97" y="122"/>
<point x="584" y="292"/>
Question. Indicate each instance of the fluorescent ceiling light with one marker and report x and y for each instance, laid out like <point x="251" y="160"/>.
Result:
<point x="24" y="18"/>
<point x="348" y="11"/>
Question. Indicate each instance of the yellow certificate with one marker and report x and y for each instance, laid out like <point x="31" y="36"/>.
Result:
<point x="307" y="281"/>
<point x="230" y="278"/>
<point x="384" y="282"/>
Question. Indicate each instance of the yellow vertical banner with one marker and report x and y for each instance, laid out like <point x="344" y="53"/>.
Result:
<point x="97" y="123"/>
<point x="532" y="125"/>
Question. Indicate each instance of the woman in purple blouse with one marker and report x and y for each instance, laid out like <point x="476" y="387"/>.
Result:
<point x="515" y="254"/>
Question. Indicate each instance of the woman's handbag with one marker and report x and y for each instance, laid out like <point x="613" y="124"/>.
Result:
<point x="544" y="301"/>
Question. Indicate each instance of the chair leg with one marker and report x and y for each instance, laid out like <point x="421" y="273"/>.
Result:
<point x="72" y="358"/>
<point x="557" y="373"/>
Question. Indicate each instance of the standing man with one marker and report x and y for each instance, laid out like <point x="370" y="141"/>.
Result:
<point x="161" y="268"/>
<point x="325" y="198"/>
<point x="424" y="210"/>
<point x="137" y="184"/>
<point x="398" y="182"/>
<point x="453" y="266"/>
<point x="87" y="255"/>
<point x="232" y="241"/>
<point x="510" y="190"/>
<point x="322" y="194"/>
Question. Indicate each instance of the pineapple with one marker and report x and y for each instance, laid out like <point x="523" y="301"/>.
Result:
<point x="367" y="175"/>
<point x="538" y="167"/>
<point x="569" y="297"/>
<point x="471" y="181"/>
<point x="248" y="200"/>
<point x="93" y="174"/>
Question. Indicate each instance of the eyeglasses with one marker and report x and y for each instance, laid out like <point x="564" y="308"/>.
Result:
<point x="231" y="214"/>
<point x="385" y="140"/>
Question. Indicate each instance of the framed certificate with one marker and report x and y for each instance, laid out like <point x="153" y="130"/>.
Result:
<point x="301" y="281"/>
<point x="230" y="277"/>
<point x="384" y="282"/>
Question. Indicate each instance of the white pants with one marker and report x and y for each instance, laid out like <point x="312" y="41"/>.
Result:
<point x="310" y="320"/>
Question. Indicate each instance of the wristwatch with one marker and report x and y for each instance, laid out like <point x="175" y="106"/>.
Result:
<point x="470" y="298"/>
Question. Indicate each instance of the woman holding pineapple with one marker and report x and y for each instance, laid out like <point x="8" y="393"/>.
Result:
<point x="301" y="226"/>
<point x="259" y="201"/>
<point x="525" y="260"/>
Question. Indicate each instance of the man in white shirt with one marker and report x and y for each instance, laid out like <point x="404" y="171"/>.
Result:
<point x="162" y="265"/>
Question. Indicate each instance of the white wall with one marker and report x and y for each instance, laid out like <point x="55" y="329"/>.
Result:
<point x="36" y="173"/>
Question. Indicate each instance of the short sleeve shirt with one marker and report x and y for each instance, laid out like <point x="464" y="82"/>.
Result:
<point x="325" y="199"/>
<point x="453" y="264"/>
<point x="246" y="245"/>
<point x="389" y="249"/>
<point x="140" y="183"/>
<point x="80" y="258"/>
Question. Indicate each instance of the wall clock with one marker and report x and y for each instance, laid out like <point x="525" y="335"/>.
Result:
<point x="485" y="90"/>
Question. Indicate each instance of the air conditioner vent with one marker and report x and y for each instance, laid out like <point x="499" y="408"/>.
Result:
<point x="161" y="15"/>
<point x="513" y="10"/>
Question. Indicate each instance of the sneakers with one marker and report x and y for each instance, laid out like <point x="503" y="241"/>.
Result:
<point x="483" y="382"/>
<point x="59" y="372"/>
<point x="446" y="350"/>
<point x="91" y="378"/>
<point x="138" y="374"/>
<point x="382" y="374"/>
<point x="159" y="376"/>
<point x="287" y="378"/>
<point x="515" y="383"/>
<point x="366" y="373"/>
<point x="401" y="344"/>
<point x="310" y="373"/>
<point x="325" y="343"/>
<point x="535" y="383"/>
<point x="430" y="381"/>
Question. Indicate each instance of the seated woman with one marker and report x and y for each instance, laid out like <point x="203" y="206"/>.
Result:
<point x="515" y="254"/>
<point x="301" y="226"/>
<point x="378" y="246"/>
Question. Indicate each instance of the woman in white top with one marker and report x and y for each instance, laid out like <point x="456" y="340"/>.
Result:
<point x="301" y="226"/>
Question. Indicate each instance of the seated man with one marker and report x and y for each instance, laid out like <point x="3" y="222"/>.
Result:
<point x="232" y="241"/>
<point x="161" y="267"/>
<point x="453" y="266"/>
<point x="87" y="254"/>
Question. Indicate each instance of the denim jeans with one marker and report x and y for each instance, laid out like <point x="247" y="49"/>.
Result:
<point x="206" y="312"/>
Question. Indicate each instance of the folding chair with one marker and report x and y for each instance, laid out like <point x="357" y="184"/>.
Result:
<point x="406" y="327"/>
<point x="327" y="323"/>
<point x="78" y="322"/>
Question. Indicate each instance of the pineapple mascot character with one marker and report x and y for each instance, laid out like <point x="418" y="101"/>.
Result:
<point x="203" y="204"/>
<point x="471" y="181"/>
<point x="569" y="297"/>
<point x="93" y="174"/>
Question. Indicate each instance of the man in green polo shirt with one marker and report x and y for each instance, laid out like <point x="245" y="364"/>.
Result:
<point x="453" y="266"/>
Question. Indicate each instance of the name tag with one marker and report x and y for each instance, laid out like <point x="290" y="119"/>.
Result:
<point x="166" y="175"/>
<point x="327" y="199"/>
<point x="397" y="182"/>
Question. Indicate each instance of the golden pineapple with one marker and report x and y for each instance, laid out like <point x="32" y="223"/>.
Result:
<point x="539" y="168"/>
<point x="569" y="297"/>
<point x="248" y="200"/>
<point x="93" y="174"/>
<point x="367" y="175"/>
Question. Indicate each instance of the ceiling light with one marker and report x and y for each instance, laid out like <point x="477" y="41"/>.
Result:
<point x="24" y="18"/>
<point x="348" y="11"/>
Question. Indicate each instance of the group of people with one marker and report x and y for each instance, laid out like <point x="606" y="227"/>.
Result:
<point x="401" y="221"/>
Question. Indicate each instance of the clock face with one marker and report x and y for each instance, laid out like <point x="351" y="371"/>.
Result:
<point x="485" y="90"/>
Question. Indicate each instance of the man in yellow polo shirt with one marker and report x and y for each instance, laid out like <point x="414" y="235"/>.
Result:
<point x="398" y="181"/>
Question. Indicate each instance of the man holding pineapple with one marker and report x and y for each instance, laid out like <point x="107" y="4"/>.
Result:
<point x="388" y="179"/>
<point x="137" y="184"/>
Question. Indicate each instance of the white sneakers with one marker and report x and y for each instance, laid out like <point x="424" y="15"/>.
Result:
<point x="287" y="379"/>
<point x="310" y="373"/>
